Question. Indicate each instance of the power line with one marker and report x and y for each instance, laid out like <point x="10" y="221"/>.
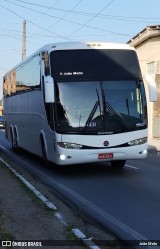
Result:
<point x="69" y="21"/>
<point x="69" y="11"/>
<point x="30" y="21"/>
<point x="19" y="33"/>
<point x="10" y="30"/>
<point x="49" y="8"/>
<point x="93" y="14"/>
<point x="63" y="16"/>
<point x="62" y="19"/>
<point x="92" y="18"/>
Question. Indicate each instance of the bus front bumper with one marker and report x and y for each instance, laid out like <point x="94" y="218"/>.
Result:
<point x="78" y="156"/>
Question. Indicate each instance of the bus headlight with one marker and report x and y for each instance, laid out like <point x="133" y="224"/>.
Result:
<point x="69" y="145"/>
<point x="138" y="141"/>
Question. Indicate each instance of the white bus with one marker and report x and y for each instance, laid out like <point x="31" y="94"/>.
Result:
<point x="75" y="102"/>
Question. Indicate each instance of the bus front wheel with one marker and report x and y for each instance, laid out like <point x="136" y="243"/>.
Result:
<point x="118" y="164"/>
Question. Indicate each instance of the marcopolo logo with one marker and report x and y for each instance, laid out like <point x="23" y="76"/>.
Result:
<point x="106" y="143"/>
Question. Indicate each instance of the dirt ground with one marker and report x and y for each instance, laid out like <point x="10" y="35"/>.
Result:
<point x="24" y="217"/>
<point x="21" y="218"/>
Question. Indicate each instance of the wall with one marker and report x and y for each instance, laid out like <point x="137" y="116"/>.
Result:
<point x="149" y="52"/>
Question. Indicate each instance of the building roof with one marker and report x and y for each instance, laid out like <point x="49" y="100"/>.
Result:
<point x="148" y="32"/>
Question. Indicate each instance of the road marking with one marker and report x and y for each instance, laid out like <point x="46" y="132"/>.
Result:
<point x="129" y="166"/>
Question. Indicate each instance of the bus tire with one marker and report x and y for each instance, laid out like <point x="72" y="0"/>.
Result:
<point x="118" y="164"/>
<point x="14" y="141"/>
<point x="43" y="150"/>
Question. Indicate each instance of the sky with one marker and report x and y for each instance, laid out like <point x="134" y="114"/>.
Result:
<point x="53" y="21"/>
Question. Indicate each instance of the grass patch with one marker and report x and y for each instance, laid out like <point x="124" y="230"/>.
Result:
<point x="30" y="193"/>
<point x="33" y="196"/>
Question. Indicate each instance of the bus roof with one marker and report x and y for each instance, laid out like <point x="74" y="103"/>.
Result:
<point x="85" y="45"/>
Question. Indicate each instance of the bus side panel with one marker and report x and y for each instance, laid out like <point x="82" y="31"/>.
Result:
<point x="27" y="112"/>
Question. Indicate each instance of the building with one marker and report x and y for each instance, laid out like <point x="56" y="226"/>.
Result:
<point x="147" y="45"/>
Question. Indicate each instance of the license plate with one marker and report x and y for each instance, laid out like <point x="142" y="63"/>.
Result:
<point x="105" y="155"/>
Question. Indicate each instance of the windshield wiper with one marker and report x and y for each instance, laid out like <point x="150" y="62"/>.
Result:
<point x="113" y="113"/>
<point x="93" y="112"/>
<point x="91" y="116"/>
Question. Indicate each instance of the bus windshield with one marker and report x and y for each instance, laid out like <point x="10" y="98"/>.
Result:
<point x="100" y="107"/>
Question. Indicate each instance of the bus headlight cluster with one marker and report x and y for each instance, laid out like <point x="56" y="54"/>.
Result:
<point x="138" y="141"/>
<point x="69" y="145"/>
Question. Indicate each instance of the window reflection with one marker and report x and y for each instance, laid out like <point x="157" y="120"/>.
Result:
<point x="76" y="99"/>
<point x="128" y="102"/>
<point x="24" y="78"/>
<point x="108" y="106"/>
<point x="28" y="76"/>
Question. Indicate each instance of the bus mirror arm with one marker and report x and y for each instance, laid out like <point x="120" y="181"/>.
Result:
<point x="49" y="89"/>
<point x="151" y="88"/>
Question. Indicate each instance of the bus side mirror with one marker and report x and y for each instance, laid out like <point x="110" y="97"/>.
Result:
<point x="152" y="88"/>
<point x="49" y="89"/>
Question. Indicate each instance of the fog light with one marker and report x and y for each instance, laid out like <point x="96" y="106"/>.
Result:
<point x="62" y="157"/>
<point x="144" y="152"/>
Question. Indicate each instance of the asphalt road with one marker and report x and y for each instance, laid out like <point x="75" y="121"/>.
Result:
<point x="127" y="201"/>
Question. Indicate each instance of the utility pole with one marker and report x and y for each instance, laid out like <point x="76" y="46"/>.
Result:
<point x="24" y="41"/>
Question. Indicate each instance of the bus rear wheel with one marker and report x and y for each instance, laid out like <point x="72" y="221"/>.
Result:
<point x="14" y="141"/>
<point x="44" y="152"/>
<point x="118" y="164"/>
